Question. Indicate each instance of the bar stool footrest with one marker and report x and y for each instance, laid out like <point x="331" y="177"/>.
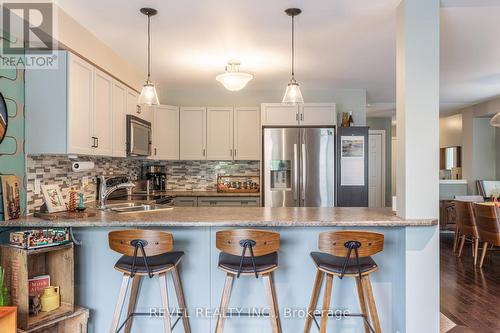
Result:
<point x="365" y="319"/>
<point x="178" y="314"/>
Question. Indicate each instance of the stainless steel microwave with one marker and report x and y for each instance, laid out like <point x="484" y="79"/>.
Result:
<point x="139" y="135"/>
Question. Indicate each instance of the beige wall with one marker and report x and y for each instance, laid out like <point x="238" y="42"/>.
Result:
<point x="450" y="131"/>
<point x="74" y="36"/>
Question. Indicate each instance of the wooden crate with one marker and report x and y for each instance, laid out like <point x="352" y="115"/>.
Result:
<point x="75" y="322"/>
<point x="20" y="265"/>
<point x="8" y="319"/>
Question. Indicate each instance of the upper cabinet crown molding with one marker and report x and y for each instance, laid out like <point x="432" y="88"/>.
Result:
<point x="307" y="114"/>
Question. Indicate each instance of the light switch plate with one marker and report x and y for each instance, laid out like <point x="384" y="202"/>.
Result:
<point x="85" y="181"/>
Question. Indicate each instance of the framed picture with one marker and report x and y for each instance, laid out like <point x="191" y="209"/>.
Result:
<point x="53" y="198"/>
<point x="11" y="197"/>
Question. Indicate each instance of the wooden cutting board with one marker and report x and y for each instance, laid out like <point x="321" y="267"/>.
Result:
<point x="63" y="215"/>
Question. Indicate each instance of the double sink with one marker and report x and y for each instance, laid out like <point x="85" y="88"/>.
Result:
<point x="135" y="207"/>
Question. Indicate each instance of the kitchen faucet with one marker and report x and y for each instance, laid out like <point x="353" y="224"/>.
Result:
<point x="104" y="191"/>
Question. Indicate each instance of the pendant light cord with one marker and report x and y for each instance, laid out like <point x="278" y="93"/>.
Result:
<point x="149" y="47"/>
<point x="293" y="46"/>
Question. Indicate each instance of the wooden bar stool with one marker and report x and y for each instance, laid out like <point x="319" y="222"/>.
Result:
<point x="248" y="252"/>
<point x="488" y="227"/>
<point x="346" y="253"/>
<point x="146" y="253"/>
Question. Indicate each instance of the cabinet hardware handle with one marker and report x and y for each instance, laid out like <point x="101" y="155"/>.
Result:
<point x="235" y="152"/>
<point x="301" y="116"/>
<point x="204" y="151"/>
<point x="155" y="151"/>
<point x="138" y="109"/>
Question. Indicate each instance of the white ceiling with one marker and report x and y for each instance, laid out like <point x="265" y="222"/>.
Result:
<point x="340" y="44"/>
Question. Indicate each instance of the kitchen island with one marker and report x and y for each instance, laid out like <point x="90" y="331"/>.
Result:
<point x="405" y="286"/>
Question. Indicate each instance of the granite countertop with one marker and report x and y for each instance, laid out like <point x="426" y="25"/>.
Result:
<point x="234" y="217"/>
<point x="208" y="194"/>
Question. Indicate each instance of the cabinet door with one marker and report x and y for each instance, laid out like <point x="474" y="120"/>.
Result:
<point x="80" y="106"/>
<point x="318" y="114"/>
<point x="279" y="114"/>
<point x="186" y="202"/>
<point x="220" y="133"/>
<point x="132" y="107"/>
<point x="246" y="133"/>
<point x="193" y="124"/>
<point x="119" y="119"/>
<point x="103" y="113"/>
<point x="165" y="132"/>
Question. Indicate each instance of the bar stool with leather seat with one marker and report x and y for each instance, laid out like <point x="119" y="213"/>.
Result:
<point x="249" y="253"/>
<point x="346" y="253"/>
<point x="488" y="227"/>
<point x="146" y="253"/>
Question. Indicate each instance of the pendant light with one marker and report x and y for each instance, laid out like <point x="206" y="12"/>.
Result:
<point x="292" y="93"/>
<point x="495" y="121"/>
<point x="148" y="94"/>
<point x="233" y="79"/>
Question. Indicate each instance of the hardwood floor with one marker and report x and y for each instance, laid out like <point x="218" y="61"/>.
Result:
<point x="469" y="296"/>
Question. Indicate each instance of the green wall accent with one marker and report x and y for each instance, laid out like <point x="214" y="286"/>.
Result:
<point x="12" y="159"/>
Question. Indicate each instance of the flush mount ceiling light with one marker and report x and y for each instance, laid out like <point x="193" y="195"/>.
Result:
<point x="495" y="121"/>
<point x="233" y="79"/>
<point x="148" y="94"/>
<point x="292" y="93"/>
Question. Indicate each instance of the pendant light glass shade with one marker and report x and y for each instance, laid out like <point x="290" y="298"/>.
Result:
<point x="233" y="79"/>
<point x="148" y="95"/>
<point x="495" y="121"/>
<point x="292" y="93"/>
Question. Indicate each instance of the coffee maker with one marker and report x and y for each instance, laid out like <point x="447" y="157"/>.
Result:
<point x="156" y="178"/>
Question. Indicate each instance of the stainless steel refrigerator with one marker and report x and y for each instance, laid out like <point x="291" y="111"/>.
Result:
<point x="299" y="167"/>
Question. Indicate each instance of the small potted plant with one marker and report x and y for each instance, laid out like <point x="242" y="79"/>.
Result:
<point x="4" y="292"/>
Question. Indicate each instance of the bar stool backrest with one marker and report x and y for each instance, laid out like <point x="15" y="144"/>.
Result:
<point x="488" y="223"/>
<point x="466" y="219"/>
<point x="232" y="241"/>
<point x="154" y="242"/>
<point x="336" y="243"/>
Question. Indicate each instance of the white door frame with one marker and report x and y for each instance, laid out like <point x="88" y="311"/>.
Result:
<point x="382" y="133"/>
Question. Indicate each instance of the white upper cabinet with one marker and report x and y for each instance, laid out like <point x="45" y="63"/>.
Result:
<point x="80" y="131"/>
<point x="193" y="124"/>
<point x="132" y="107"/>
<point x="220" y="133"/>
<point x="307" y="114"/>
<point x="246" y="133"/>
<point x="75" y="109"/>
<point x="165" y="132"/>
<point x="317" y="114"/>
<point x="279" y="114"/>
<point x="119" y="93"/>
<point x="103" y="113"/>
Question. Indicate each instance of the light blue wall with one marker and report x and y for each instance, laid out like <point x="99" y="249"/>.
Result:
<point x="12" y="159"/>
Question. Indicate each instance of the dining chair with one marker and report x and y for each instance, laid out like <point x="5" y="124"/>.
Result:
<point x="488" y="226"/>
<point x="467" y="198"/>
<point x="466" y="226"/>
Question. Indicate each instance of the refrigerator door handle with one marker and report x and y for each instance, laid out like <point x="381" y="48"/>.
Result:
<point x="304" y="178"/>
<point x="295" y="172"/>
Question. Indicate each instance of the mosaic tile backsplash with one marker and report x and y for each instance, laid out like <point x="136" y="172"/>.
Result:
<point x="181" y="175"/>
